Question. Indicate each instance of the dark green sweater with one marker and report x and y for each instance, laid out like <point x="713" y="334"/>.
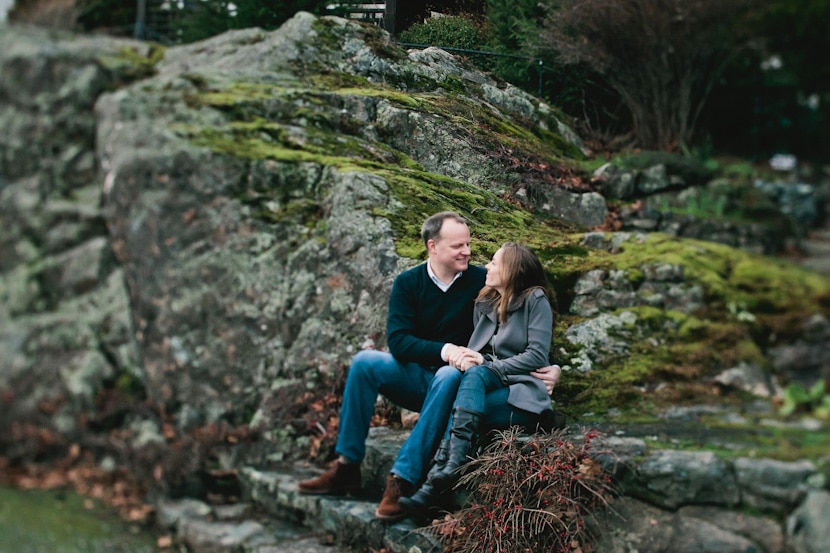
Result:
<point x="422" y="318"/>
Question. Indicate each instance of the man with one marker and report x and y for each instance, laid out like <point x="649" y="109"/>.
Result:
<point x="430" y="317"/>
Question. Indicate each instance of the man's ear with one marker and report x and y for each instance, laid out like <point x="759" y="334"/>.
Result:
<point x="431" y="244"/>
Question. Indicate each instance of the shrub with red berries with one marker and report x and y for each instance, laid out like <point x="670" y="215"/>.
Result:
<point x="528" y="494"/>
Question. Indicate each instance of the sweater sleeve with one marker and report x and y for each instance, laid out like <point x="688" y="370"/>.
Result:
<point x="539" y="335"/>
<point x="402" y="326"/>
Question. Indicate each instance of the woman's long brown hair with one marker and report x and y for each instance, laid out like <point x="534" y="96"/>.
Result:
<point x="521" y="272"/>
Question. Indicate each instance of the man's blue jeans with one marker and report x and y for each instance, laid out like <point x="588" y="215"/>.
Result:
<point x="408" y="385"/>
<point x="416" y="388"/>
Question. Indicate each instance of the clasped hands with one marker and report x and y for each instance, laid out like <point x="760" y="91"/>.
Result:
<point x="463" y="358"/>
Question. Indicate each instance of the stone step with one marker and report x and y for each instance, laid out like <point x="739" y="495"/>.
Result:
<point x="817" y="251"/>
<point x="239" y="528"/>
<point x="347" y="521"/>
<point x="273" y="517"/>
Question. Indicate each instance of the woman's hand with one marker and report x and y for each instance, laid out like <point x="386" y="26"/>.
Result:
<point x="549" y="375"/>
<point x="460" y="357"/>
<point x="466" y="358"/>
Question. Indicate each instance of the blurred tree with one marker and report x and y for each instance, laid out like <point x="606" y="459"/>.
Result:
<point x="513" y="28"/>
<point x="796" y="38"/>
<point x="799" y="32"/>
<point x="662" y="57"/>
<point x="116" y="18"/>
<point x="776" y="98"/>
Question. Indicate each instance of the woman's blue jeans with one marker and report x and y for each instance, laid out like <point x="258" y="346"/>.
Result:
<point x="481" y="391"/>
<point x="475" y="384"/>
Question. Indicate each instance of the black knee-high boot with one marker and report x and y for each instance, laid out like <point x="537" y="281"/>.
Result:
<point x="425" y="502"/>
<point x="463" y="440"/>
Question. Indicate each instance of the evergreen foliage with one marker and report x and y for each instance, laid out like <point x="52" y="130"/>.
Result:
<point x="454" y="31"/>
<point x="509" y="23"/>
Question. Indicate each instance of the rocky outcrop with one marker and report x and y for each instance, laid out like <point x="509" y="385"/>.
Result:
<point x="679" y="196"/>
<point x="64" y="307"/>
<point x="673" y="501"/>
<point x="216" y="226"/>
<point x="231" y="270"/>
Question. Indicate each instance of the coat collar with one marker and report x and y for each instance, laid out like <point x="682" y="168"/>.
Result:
<point x="489" y="308"/>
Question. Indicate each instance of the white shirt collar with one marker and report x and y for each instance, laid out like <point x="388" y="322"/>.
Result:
<point x="444" y="287"/>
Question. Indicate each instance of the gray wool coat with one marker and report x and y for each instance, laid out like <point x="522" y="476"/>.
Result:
<point x="517" y="347"/>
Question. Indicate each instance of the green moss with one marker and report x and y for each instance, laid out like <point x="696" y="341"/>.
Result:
<point x="236" y="94"/>
<point x="336" y="80"/>
<point x="767" y="285"/>
<point x="682" y="353"/>
<point x="345" y="84"/>
<point x="782" y="443"/>
<point x="526" y="138"/>
<point x="378" y="40"/>
<point x="750" y="439"/>
<point x="764" y="285"/>
<point x="403" y="99"/>
<point x="129" y="385"/>
<point x="131" y="65"/>
<point x="302" y="211"/>
<point x="332" y="137"/>
<point x="408" y="80"/>
<point x="328" y="34"/>
<point x="259" y="139"/>
<point x="493" y="221"/>
<point x="468" y="115"/>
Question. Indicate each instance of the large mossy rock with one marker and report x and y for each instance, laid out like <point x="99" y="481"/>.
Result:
<point x="219" y="226"/>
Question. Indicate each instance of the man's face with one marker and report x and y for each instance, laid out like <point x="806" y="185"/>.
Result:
<point x="452" y="251"/>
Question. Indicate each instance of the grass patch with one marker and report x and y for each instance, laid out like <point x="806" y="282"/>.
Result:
<point x="63" y="522"/>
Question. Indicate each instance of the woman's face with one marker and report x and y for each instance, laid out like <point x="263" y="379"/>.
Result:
<point x="494" y="272"/>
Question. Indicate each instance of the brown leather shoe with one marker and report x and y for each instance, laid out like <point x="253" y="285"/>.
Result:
<point x="390" y="508"/>
<point x="339" y="479"/>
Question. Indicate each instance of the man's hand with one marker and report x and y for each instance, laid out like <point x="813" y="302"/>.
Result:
<point x="450" y="352"/>
<point x="549" y="375"/>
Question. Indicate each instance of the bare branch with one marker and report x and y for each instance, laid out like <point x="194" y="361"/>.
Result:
<point x="661" y="56"/>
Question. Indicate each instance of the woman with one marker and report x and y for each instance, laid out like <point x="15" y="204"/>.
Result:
<point x="513" y="321"/>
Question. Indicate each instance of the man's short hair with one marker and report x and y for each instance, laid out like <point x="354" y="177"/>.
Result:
<point x="431" y="229"/>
